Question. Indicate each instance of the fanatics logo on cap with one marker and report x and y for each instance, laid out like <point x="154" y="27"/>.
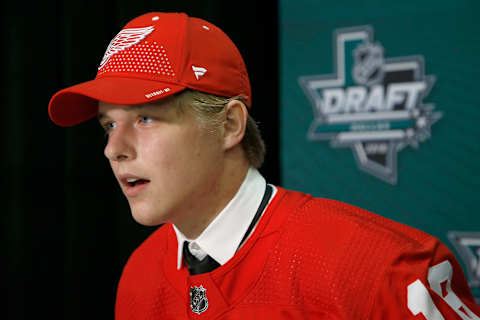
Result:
<point x="124" y="40"/>
<point x="198" y="299"/>
<point x="199" y="71"/>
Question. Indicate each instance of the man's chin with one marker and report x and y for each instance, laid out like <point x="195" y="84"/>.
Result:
<point x="146" y="221"/>
<point x="145" y="217"/>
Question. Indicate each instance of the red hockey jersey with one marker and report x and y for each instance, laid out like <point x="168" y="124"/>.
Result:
<point x="308" y="258"/>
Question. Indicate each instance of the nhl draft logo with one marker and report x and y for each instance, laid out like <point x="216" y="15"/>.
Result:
<point x="467" y="245"/>
<point x="371" y="104"/>
<point x="198" y="299"/>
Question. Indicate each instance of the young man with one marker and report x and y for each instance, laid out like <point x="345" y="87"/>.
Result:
<point x="173" y="94"/>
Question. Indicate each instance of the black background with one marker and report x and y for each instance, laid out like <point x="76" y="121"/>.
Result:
<point x="66" y="227"/>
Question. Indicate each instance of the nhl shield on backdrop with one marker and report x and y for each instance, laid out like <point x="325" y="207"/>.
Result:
<point x="371" y="104"/>
<point x="198" y="299"/>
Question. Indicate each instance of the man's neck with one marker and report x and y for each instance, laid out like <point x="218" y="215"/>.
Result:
<point x="229" y="181"/>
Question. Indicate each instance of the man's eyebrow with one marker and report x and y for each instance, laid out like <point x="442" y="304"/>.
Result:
<point x="101" y="116"/>
<point x="127" y="108"/>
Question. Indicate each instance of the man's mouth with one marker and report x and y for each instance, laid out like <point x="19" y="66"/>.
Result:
<point x="132" y="185"/>
<point x="132" y="182"/>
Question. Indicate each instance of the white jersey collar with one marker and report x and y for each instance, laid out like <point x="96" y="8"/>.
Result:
<point x="222" y="236"/>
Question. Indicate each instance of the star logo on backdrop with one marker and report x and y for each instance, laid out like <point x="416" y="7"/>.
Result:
<point x="371" y="104"/>
<point x="467" y="245"/>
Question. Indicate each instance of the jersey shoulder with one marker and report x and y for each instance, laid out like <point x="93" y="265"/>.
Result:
<point x="146" y="258"/>
<point x="332" y="219"/>
<point x="152" y="248"/>
<point x="337" y="253"/>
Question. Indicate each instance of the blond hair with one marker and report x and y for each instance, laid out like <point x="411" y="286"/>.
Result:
<point x="209" y="111"/>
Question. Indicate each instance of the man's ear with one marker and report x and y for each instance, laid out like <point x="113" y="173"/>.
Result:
<point x="235" y="122"/>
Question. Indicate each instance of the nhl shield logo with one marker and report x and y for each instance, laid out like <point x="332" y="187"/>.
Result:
<point x="198" y="299"/>
<point x="368" y="64"/>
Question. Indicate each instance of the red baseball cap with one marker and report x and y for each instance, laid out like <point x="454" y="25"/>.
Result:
<point x="154" y="56"/>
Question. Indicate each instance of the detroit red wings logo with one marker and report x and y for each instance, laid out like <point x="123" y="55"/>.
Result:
<point x="123" y="40"/>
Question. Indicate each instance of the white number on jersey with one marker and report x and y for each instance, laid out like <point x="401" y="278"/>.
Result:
<point x="420" y="301"/>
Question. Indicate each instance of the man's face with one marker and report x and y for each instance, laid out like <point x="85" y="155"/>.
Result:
<point x="167" y="165"/>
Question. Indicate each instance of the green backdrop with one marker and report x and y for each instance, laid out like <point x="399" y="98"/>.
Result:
<point x="428" y="175"/>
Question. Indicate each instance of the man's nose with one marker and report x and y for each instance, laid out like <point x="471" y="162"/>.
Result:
<point x="120" y="145"/>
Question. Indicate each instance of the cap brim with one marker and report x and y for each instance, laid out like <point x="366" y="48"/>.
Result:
<point x="79" y="103"/>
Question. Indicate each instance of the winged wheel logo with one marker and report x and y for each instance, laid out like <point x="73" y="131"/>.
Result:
<point x="124" y="40"/>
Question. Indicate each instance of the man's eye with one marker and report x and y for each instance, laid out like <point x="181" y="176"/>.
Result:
<point x="146" y="119"/>
<point x="109" y="126"/>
